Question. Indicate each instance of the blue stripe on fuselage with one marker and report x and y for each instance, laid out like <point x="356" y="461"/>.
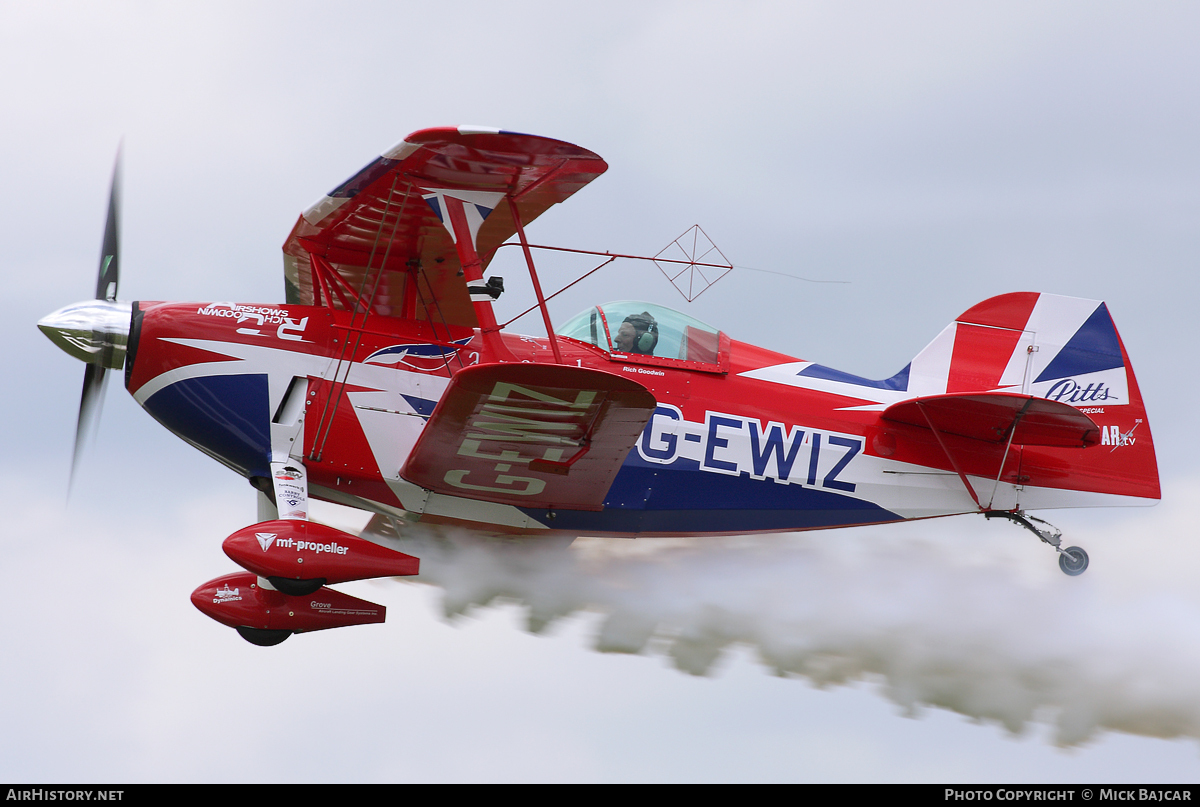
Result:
<point x="228" y="416"/>
<point x="682" y="498"/>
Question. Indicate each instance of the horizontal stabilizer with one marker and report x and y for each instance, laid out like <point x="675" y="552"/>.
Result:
<point x="995" y="417"/>
<point x="531" y="435"/>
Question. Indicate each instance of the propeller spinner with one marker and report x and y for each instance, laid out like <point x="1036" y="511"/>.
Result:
<point x="95" y="331"/>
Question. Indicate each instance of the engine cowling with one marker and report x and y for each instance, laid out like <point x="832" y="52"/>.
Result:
<point x="239" y="601"/>
<point x="305" y="550"/>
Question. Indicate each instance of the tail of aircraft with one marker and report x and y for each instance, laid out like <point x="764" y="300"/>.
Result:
<point x="1061" y="349"/>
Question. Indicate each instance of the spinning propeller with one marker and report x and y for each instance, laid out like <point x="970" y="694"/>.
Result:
<point x="95" y="331"/>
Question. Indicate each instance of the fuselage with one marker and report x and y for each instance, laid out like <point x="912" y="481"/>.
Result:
<point x="730" y="447"/>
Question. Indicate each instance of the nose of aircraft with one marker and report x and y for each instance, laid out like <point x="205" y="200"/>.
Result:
<point x="93" y="331"/>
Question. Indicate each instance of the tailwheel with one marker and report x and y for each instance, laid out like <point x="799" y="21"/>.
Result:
<point x="1073" y="560"/>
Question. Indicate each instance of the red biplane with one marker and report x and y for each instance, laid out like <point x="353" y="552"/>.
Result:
<point x="384" y="382"/>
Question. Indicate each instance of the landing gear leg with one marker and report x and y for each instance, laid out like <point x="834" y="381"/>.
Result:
<point x="1072" y="560"/>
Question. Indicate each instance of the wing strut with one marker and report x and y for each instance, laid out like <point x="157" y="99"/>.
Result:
<point x="462" y="212"/>
<point x="1007" y="446"/>
<point x="537" y="286"/>
<point x="1012" y="430"/>
<point x="330" y="282"/>
<point x="949" y="456"/>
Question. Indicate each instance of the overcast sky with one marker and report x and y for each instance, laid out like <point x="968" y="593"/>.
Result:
<point x="930" y="155"/>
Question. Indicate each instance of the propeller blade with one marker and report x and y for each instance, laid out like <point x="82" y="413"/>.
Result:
<point x="108" y="276"/>
<point x="90" y="403"/>
<point x="107" y="279"/>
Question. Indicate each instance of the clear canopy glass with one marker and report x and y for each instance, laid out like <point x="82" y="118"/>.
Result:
<point x="637" y="328"/>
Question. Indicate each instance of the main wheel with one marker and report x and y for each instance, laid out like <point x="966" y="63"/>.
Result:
<point x="261" y="636"/>
<point x="1073" y="561"/>
<point x="296" y="588"/>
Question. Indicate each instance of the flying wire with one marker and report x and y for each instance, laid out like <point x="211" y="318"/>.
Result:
<point x="793" y="277"/>
<point x="659" y="259"/>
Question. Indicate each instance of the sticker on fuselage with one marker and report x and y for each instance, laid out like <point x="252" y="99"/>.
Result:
<point x="422" y="356"/>
<point x="736" y="446"/>
<point x="266" y="320"/>
<point x="1111" y="435"/>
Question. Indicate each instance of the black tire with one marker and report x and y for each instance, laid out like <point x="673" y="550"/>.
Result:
<point x="1073" y="561"/>
<point x="261" y="636"/>
<point x="296" y="588"/>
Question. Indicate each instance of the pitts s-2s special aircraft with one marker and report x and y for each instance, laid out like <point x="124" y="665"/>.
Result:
<point x="384" y="383"/>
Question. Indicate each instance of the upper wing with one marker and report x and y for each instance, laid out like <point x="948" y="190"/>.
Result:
<point x="376" y="243"/>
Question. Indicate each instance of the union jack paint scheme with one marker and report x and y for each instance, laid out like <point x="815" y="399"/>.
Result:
<point x="384" y="382"/>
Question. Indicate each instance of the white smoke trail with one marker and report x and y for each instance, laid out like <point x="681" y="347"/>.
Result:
<point x="959" y="614"/>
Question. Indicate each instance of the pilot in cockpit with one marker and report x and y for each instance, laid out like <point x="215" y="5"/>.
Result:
<point x="638" y="334"/>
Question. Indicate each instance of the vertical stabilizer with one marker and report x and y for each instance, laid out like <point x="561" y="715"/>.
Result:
<point x="1063" y="349"/>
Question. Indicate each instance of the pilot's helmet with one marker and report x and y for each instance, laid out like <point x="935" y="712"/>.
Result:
<point x="646" y="329"/>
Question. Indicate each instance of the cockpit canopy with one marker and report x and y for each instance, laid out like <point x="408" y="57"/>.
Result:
<point x="638" y="330"/>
